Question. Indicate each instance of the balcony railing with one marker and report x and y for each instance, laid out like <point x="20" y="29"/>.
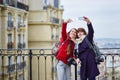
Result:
<point x="22" y="6"/>
<point x="21" y="24"/>
<point x="24" y="45"/>
<point x="40" y="64"/>
<point x="10" y="3"/>
<point x="54" y="20"/>
<point x="10" y="24"/>
<point x="10" y="45"/>
<point x="17" y="4"/>
<point x="21" y="45"/>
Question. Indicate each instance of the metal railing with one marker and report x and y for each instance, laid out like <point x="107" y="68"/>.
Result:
<point x="39" y="64"/>
<point x="15" y="3"/>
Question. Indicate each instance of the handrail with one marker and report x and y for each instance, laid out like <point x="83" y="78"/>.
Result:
<point x="44" y="60"/>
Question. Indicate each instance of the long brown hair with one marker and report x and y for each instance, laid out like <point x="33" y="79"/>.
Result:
<point x="69" y="47"/>
<point x="68" y="50"/>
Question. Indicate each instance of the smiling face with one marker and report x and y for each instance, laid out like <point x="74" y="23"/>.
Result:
<point x="72" y="34"/>
<point x="81" y="32"/>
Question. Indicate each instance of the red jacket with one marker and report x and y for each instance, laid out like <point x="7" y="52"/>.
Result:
<point x="62" y="54"/>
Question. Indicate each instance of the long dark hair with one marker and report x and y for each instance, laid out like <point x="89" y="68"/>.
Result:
<point x="68" y="50"/>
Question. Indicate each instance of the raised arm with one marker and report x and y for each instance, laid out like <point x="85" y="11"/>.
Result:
<point x="64" y="27"/>
<point x="90" y="29"/>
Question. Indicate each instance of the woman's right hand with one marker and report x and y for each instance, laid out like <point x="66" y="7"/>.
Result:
<point x="77" y="61"/>
<point x="86" y="19"/>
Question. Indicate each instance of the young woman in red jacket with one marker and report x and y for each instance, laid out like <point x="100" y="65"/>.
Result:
<point x="65" y="52"/>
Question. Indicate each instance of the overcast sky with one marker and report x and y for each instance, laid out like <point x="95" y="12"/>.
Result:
<point x="104" y="15"/>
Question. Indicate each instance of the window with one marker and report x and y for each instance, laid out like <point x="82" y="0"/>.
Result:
<point x="19" y="21"/>
<point x="10" y="22"/>
<point x="10" y="2"/>
<point x="56" y="3"/>
<point x="23" y="41"/>
<point x="19" y="38"/>
<point x="9" y="38"/>
<point x="45" y="2"/>
<point x="10" y="43"/>
<point x="19" y="41"/>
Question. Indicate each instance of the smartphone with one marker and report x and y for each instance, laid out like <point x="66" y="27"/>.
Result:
<point x="80" y="18"/>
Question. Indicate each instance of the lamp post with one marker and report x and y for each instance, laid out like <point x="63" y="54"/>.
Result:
<point x="113" y="71"/>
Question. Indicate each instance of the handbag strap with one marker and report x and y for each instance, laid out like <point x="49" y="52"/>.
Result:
<point x="90" y="45"/>
<point x="62" y="43"/>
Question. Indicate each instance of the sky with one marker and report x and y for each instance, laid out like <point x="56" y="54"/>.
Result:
<point x="104" y="15"/>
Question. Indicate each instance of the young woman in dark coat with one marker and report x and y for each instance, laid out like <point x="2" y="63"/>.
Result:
<point x="89" y="69"/>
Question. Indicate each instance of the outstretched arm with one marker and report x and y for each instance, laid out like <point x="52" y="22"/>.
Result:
<point x="64" y="27"/>
<point x="90" y="29"/>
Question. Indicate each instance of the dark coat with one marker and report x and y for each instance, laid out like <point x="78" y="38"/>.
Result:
<point x="89" y="68"/>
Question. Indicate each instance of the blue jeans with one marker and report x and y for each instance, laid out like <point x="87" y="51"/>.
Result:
<point x="63" y="71"/>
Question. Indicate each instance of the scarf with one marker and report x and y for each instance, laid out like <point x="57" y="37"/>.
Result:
<point x="79" y="40"/>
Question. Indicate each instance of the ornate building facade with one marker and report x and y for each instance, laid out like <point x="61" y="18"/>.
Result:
<point x="13" y="35"/>
<point x="26" y="24"/>
<point x="44" y="29"/>
<point x="46" y="23"/>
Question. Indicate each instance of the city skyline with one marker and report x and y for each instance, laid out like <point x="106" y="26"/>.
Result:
<point x="104" y="15"/>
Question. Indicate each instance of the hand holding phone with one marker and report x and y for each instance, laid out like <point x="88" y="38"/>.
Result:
<point x="84" y="19"/>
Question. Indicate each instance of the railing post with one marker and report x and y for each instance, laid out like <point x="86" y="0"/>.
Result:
<point x="52" y="68"/>
<point x="9" y="64"/>
<point x="75" y="53"/>
<point x="75" y="72"/>
<point x="113" y="71"/>
<point x="2" y="67"/>
<point x="30" y="53"/>
<point x="45" y="68"/>
<point x="105" y="68"/>
<point x="16" y="67"/>
<point x="38" y="68"/>
<point x="23" y="68"/>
